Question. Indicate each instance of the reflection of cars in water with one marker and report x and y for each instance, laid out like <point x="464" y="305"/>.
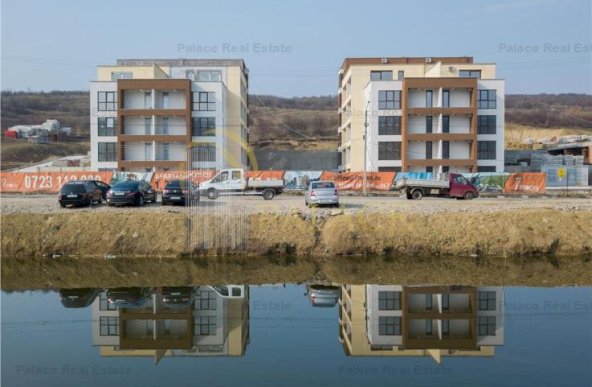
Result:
<point x="179" y="296"/>
<point x="78" y="298"/>
<point x="127" y="297"/>
<point x="230" y="291"/>
<point x="323" y="295"/>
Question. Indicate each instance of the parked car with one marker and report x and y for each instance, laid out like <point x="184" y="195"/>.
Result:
<point x="180" y="296"/>
<point x="104" y="187"/>
<point x="321" y="193"/>
<point x="449" y="185"/>
<point x="78" y="298"/>
<point x="79" y="193"/>
<point x="131" y="192"/>
<point x="180" y="191"/>
<point x="323" y="295"/>
<point x="128" y="297"/>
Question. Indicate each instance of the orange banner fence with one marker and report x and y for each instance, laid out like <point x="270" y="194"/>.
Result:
<point x="51" y="182"/>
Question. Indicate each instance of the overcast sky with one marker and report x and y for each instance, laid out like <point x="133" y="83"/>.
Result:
<point x="295" y="48"/>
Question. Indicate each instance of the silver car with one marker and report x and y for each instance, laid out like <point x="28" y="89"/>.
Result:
<point x="321" y="193"/>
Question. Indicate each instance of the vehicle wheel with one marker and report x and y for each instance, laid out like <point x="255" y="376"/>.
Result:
<point x="417" y="194"/>
<point x="109" y="204"/>
<point x="408" y="194"/>
<point x="140" y="201"/>
<point x="268" y="194"/>
<point x="212" y="194"/>
<point x="62" y="205"/>
<point x="100" y="200"/>
<point x="163" y="203"/>
<point x="469" y="195"/>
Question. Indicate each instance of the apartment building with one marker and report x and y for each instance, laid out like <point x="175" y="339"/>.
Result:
<point x="435" y="321"/>
<point x="215" y="324"/>
<point x="150" y="115"/>
<point x="434" y="115"/>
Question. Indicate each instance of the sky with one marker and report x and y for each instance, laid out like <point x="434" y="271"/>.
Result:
<point x="295" y="48"/>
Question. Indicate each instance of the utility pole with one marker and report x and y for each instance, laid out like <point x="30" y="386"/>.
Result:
<point x="364" y="181"/>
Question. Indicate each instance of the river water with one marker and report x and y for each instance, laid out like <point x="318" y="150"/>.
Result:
<point x="298" y="334"/>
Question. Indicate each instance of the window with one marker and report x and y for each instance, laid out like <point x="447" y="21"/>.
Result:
<point x="428" y="326"/>
<point x="445" y="150"/>
<point x="165" y="152"/>
<point x="389" y="125"/>
<point x="381" y="75"/>
<point x="107" y="151"/>
<point x="486" y="300"/>
<point x="204" y="101"/>
<point x="204" y="326"/>
<point x="445" y="301"/>
<point x="445" y="124"/>
<point x="109" y="326"/>
<point x="389" y="150"/>
<point x="401" y="75"/>
<point x="148" y="100"/>
<point x="429" y="98"/>
<point x="148" y="151"/>
<point x="429" y="169"/>
<point x="429" y="123"/>
<point x="486" y="150"/>
<point x="445" y="327"/>
<point x="204" y="153"/>
<point x="107" y="126"/>
<point x="389" y="99"/>
<point x="164" y="126"/>
<point x="486" y="124"/>
<point x="487" y="99"/>
<point x="147" y="125"/>
<point x="236" y="175"/>
<point x="461" y="180"/>
<point x="104" y="304"/>
<point x="445" y="169"/>
<point x="107" y="100"/>
<point x="203" y="126"/>
<point x="486" y="326"/>
<point x="428" y="301"/>
<point x="469" y="73"/>
<point x="486" y="168"/>
<point x="389" y="300"/>
<point x="445" y="98"/>
<point x="165" y="99"/>
<point x="428" y="150"/>
<point x="205" y="300"/>
<point x="209" y="76"/>
<point x="389" y="326"/>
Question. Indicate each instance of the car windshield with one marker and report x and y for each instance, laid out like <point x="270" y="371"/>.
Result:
<point x="323" y="185"/>
<point x="73" y="187"/>
<point x="124" y="185"/>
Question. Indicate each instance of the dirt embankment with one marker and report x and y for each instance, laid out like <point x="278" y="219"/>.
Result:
<point x="502" y="233"/>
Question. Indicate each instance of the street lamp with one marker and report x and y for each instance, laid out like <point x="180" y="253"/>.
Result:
<point x="364" y="181"/>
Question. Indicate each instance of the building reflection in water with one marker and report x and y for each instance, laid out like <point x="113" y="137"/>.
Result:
<point x="181" y="321"/>
<point x="436" y="321"/>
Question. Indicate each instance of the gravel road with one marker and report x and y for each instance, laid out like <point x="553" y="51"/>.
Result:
<point x="285" y="204"/>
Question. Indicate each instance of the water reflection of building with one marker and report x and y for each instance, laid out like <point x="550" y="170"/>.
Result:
<point x="215" y="323"/>
<point x="436" y="321"/>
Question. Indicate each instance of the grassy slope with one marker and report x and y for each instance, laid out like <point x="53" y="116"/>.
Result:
<point x="18" y="153"/>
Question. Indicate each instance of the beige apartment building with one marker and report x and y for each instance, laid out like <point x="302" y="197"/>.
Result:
<point x="423" y="114"/>
<point x="150" y="115"/>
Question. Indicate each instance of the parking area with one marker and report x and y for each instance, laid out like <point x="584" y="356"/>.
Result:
<point x="285" y="204"/>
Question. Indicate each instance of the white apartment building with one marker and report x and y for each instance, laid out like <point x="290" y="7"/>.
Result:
<point x="421" y="115"/>
<point x="395" y="320"/>
<point x="151" y="115"/>
<point x="213" y="325"/>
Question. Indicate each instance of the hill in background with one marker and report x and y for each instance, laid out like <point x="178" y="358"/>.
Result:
<point x="301" y="122"/>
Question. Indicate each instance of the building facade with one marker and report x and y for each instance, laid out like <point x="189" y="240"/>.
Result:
<point x="435" y="321"/>
<point x="420" y="115"/>
<point x="150" y="115"/>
